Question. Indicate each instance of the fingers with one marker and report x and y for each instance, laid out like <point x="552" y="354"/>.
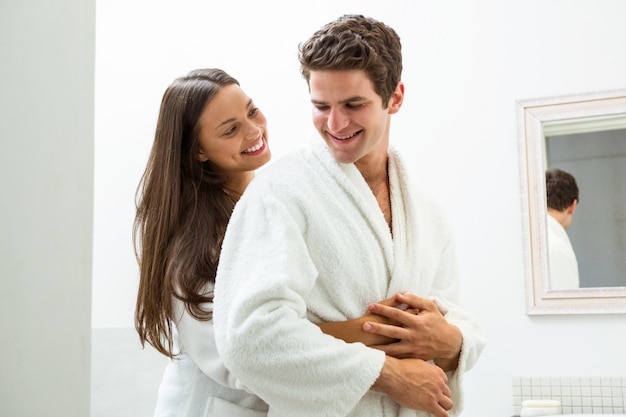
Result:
<point x="387" y="330"/>
<point x="415" y="302"/>
<point x="392" y="313"/>
<point x="391" y="302"/>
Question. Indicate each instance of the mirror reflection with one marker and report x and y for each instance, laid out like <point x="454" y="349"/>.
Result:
<point x="596" y="228"/>
<point x="585" y="136"/>
<point x="562" y="199"/>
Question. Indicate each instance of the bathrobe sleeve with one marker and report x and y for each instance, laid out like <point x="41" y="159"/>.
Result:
<point x="262" y="330"/>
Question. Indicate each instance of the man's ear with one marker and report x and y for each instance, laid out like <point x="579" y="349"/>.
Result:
<point x="572" y="208"/>
<point x="202" y="157"/>
<point x="395" y="102"/>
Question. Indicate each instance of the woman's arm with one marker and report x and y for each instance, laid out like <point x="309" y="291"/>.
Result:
<point x="351" y="331"/>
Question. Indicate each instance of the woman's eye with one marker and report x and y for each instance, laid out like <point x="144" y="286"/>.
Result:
<point x="253" y="112"/>
<point x="230" y="131"/>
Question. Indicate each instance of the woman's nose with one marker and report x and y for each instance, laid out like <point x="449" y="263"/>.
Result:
<point x="253" y="131"/>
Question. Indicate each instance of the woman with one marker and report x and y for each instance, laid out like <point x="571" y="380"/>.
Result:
<point x="209" y="140"/>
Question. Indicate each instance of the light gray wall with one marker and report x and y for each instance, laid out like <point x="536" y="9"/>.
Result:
<point x="46" y="206"/>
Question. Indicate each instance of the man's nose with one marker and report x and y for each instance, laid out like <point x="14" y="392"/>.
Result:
<point x="337" y="120"/>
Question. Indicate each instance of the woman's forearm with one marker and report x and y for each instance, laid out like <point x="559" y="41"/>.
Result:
<point x="351" y="331"/>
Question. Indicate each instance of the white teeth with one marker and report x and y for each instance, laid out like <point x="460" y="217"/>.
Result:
<point x="254" y="148"/>
<point x="346" y="137"/>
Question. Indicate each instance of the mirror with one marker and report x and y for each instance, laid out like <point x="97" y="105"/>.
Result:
<point x="585" y="135"/>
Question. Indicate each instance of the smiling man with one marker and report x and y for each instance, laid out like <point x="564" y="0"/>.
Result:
<point x="332" y="234"/>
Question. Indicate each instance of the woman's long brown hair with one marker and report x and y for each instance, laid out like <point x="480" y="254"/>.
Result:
<point x="182" y="213"/>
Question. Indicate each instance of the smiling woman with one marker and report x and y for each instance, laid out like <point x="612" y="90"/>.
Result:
<point x="209" y="140"/>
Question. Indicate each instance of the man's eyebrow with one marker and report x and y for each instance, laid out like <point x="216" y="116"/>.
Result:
<point x="232" y="119"/>
<point x="348" y="100"/>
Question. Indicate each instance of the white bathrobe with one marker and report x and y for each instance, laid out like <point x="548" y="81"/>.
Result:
<point x="308" y="243"/>
<point x="561" y="258"/>
<point x="196" y="383"/>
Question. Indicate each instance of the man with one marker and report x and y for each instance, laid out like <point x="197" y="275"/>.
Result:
<point x="562" y="200"/>
<point x="325" y="232"/>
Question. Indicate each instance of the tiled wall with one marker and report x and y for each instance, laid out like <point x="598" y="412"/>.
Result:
<point x="592" y="395"/>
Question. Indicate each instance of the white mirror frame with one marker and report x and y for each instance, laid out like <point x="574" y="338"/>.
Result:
<point x="559" y="115"/>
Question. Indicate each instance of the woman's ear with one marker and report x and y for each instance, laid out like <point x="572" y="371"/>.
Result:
<point x="202" y="157"/>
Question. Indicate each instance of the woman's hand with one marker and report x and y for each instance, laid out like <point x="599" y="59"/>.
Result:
<point x="352" y="330"/>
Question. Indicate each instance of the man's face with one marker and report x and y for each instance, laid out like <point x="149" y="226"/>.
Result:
<point x="349" y="115"/>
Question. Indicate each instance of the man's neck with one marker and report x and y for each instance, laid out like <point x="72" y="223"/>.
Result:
<point x="377" y="178"/>
<point x="559" y="216"/>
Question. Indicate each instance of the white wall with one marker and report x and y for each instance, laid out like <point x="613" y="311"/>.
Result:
<point x="466" y="62"/>
<point x="46" y="206"/>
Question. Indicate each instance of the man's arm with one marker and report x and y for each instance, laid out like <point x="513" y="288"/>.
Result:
<point x="415" y="384"/>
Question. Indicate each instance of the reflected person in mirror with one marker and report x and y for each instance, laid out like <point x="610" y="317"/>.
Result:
<point x="335" y="227"/>
<point x="562" y="200"/>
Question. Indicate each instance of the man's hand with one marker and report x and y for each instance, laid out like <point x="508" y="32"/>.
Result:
<point x="421" y="330"/>
<point x="415" y="384"/>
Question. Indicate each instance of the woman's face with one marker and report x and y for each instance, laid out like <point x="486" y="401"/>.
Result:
<point x="233" y="133"/>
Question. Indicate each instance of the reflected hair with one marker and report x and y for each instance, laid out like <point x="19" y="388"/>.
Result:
<point x="561" y="189"/>
<point x="181" y="213"/>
